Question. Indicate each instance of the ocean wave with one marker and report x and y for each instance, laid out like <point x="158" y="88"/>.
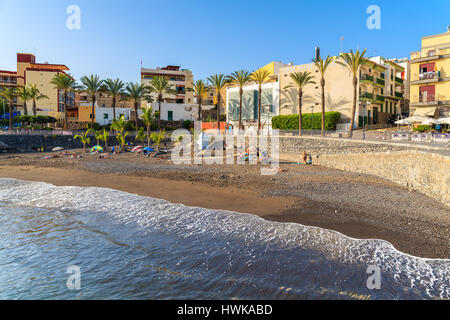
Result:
<point x="254" y="235"/>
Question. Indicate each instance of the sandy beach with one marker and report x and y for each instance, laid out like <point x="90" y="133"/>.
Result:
<point x="357" y="205"/>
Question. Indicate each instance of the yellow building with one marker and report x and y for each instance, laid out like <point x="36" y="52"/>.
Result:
<point x="30" y="72"/>
<point x="430" y="77"/>
<point x="179" y="79"/>
<point x="378" y="88"/>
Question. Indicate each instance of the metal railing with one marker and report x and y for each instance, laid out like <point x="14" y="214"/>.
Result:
<point x="366" y="77"/>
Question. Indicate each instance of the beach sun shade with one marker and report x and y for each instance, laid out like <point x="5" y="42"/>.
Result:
<point x="97" y="148"/>
<point x="430" y="122"/>
<point x="425" y="111"/>
<point x="444" y="120"/>
<point x="417" y="119"/>
<point x="136" y="148"/>
<point x="57" y="149"/>
<point x="402" y="121"/>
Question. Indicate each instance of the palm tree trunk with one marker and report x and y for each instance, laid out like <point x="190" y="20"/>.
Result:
<point x="65" y="111"/>
<point x="240" y="108"/>
<point x="218" y="111"/>
<point x="322" y="82"/>
<point x="34" y="108"/>
<point x="159" y="114"/>
<point x="355" y="90"/>
<point x="93" y="113"/>
<point x="114" y="107"/>
<point x="11" y="110"/>
<point x="25" y="109"/>
<point x="200" y="109"/>
<point x="259" y="108"/>
<point x="136" y="111"/>
<point x="300" y="95"/>
<point x="148" y="135"/>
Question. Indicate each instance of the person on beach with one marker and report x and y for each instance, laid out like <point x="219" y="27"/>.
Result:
<point x="305" y="157"/>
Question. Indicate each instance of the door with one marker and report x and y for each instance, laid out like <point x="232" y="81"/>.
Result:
<point x="170" y="115"/>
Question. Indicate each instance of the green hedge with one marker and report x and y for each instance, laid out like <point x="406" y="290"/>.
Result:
<point x="290" y="122"/>
<point x="423" y="128"/>
<point x="34" y="119"/>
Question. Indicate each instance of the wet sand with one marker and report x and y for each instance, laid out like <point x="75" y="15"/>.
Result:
<point x="356" y="205"/>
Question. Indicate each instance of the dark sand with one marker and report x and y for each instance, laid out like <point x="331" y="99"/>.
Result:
<point x="356" y="205"/>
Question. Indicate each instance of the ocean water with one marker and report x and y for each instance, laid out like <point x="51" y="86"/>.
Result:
<point x="133" y="247"/>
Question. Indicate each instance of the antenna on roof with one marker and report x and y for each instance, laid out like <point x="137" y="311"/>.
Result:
<point x="317" y="52"/>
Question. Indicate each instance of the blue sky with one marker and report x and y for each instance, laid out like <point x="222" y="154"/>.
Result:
<point x="208" y="36"/>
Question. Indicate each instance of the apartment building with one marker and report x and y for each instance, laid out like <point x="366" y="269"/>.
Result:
<point x="430" y="77"/>
<point x="393" y="92"/>
<point x="378" y="89"/>
<point x="30" y="72"/>
<point x="180" y="79"/>
<point x="269" y="99"/>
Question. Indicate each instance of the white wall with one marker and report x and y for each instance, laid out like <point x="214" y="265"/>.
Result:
<point x="275" y="86"/>
<point x="100" y="114"/>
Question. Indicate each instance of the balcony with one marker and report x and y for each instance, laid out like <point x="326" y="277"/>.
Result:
<point x="398" y="80"/>
<point x="379" y="99"/>
<point x="399" y="95"/>
<point x="366" y="77"/>
<point x="429" y="100"/>
<point x="380" y="82"/>
<point x="426" y="77"/>
<point x="366" y="96"/>
<point x="430" y="55"/>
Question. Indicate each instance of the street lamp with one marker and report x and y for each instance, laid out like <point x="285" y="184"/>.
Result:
<point x="312" y="117"/>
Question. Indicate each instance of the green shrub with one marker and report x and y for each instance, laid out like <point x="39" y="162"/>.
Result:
<point x="423" y="128"/>
<point x="187" y="124"/>
<point x="96" y="126"/>
<point x="290" y="122"/>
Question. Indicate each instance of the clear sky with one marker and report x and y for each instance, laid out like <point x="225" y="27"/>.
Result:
<point x="208" y="36"/>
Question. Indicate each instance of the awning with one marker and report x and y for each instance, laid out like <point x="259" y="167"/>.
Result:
<point x="425" y="111"/>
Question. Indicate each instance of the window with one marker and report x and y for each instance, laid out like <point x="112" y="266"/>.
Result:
<point x="105" y="116"/>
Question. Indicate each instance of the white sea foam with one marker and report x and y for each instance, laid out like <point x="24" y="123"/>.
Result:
<point x="150" y="215"/>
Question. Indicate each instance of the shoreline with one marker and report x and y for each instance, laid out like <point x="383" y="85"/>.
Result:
<point x="282" y="198"/>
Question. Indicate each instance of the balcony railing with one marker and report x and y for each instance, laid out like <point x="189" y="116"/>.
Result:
<point x="379" y="98"/>
<point x="399" y="80"/>
<point x="399" y="95"/>
<point x="366" y="95"/>
<point x="366" y="77"/>
<point x="381" y="81"/>
<point x="431" y="75"/>
<point x="429" y="98"/>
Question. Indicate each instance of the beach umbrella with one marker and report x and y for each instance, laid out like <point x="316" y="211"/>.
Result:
<point x="402" y="121"/>
<point x="97" y="148"/>
<point x="136" y="148"/>
<point x="57" y="149"/>
<point x="429" y="121"/>
<point x="149" y="149"/>
<point x="444" y="120"/>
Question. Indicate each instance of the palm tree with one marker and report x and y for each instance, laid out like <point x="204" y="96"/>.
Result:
<point x="84" y="138"/>
<point x="9" y="93"/>
<point x="200" y="89"/>
<point x="114" y="89"/>
<point x="136" y="92"/>
<point x="240" y="79"/>
<point x="160" y="85"/>
<point x="148" y="116"/>
<point x="24" y="95"/>
<point x="218" y="82"/>
<point x="35" y="95"/>
<point x="260" y="77"/>
<point x="158" y="137"/>
<point x="322" y="65"/>
<point x="92" y="85"/>
<point x="104" y="137"/>
<point x="300" y="79"/>
<point x="65" y="83"/>
<point x="353" y="62"/>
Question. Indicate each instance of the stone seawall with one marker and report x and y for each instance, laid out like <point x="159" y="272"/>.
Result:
<point x="29" y="143"/>
<point x="319" y="145"/>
